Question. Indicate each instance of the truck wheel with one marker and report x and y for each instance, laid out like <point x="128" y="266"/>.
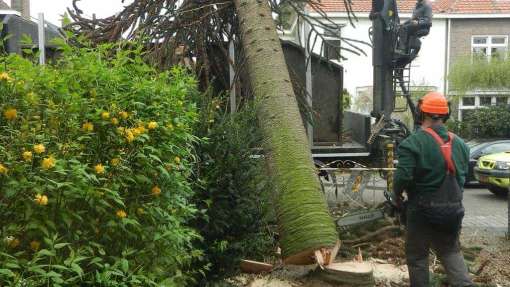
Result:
<point x="498" y="191"/>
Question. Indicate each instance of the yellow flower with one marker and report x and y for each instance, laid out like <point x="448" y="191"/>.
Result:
<point x="12" y="241"/>
<point x="41" y="199"/>
<point x="39" y="148"/>
<point x="129" y="136"/>
<point x="156" y="191"/>
<point x="27" y="156"/>
<point x="152" y="125"/>
<point x="177" y="160"/>
<point x="136" y="132"/>
<point x="170" y="126"/>
<point x="10" y="114"/>
<point x="35" y="245"/>
<point x="105" y="115"/>
<point x="140" y="211"/>
<point x="124" y="115"/>
<point x="115" y="161"/>
<point x="141" y="129"/>
<point x="121" y="130"/>
<point x="48" y="163"/>
<point x="121" y="213"/>
<point x="5" y="77"/>
<point x="99" y="168"/>
<point x="115" y="121"/>
<point x="88" y="127"/>
<point x="3" y="169"/>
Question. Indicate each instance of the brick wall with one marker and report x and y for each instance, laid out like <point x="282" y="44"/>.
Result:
<point x="463" y="29"/>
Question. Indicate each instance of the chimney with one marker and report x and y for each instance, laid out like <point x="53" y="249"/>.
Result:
<point x="22" y="6"/>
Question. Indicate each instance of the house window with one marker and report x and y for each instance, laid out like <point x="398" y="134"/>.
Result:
<point x="490" y="47"/>
<point x="468" y="101"/>
<point x="332" y="42"/>
<point x="485" y="101"/>
<point x="501" y="101"/>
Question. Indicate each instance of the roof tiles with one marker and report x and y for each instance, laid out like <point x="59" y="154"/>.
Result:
<point x="439" y="6"/>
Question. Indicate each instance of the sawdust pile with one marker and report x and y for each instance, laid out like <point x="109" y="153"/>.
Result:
<point x="493" y="268"/>
<point x="392" y="250"/>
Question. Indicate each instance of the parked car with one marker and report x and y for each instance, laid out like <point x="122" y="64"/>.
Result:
<point x="494" y="170"/>
<point x="481" y="149"/>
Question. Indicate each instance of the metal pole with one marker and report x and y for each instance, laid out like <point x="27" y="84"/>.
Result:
<point x="232" y="72"/>
<point x="42" y="46"/>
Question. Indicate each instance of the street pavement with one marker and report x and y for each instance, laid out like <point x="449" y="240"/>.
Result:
<point x="485" y="212"/>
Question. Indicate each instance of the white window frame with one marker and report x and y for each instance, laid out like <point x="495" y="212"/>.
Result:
<point x="489" y="45"/>
<point x="337" y="37"/>
<point x="477" y="96"/>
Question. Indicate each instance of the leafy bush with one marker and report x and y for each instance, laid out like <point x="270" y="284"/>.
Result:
<point x="95" y="155"/>
<point x="232" y="190"/>
<point x="478" y="73"/>
<point x="487" y="122"/>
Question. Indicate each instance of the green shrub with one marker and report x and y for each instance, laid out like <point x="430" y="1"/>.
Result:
<point x="486" y="122"/>
<point x="233" y="189"/>
<point x="95" y="155"/>
<point x="477" y="73"/>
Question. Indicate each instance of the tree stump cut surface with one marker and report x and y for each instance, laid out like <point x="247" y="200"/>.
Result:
<point x="349" y="273"/>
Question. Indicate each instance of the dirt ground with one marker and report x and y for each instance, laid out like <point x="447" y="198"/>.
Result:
<point x="487" y="257"/>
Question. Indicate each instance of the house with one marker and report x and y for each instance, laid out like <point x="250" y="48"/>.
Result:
<point x="18" y="25"/>
<point x="460" y="28"/>
<point x="479" y="28"/>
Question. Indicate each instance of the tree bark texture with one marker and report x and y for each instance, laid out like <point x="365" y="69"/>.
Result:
<point x="304" y="222"/>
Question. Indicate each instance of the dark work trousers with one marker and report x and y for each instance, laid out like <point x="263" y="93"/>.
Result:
<point x="420" y="238"/>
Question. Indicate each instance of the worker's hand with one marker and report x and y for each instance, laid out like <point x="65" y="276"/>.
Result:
<point x="398" y="201"/>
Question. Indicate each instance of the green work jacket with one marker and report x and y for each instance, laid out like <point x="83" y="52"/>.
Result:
<point x="421" y="166"/>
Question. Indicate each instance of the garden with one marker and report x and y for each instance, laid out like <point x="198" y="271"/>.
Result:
<point x="138" y="156"/>
<point x="115" y="173"/>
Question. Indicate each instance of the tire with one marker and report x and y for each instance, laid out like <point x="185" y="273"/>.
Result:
<point x="498" y="191"/>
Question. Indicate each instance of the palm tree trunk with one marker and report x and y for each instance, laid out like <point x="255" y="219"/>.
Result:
<point x="305" y="224"/>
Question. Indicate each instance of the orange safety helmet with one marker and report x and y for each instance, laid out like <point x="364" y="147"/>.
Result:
<point x="434" y="103"/>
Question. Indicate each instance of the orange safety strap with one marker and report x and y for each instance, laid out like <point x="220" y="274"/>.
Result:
<point x="446" y="148"/>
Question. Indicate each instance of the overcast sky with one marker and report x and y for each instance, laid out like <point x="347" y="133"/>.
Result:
<point x="53" y="9"/>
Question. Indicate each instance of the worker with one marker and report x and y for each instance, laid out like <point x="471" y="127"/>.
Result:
<point x="431" y="171"/>
<point x="411" y="31"/>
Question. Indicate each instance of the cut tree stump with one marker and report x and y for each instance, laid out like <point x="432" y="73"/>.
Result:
<point x="348" y="273"/>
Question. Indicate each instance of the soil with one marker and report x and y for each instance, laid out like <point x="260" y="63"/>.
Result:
<point x="487" y="257"/>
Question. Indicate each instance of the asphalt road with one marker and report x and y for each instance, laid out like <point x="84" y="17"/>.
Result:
<point x="485" y="212"/>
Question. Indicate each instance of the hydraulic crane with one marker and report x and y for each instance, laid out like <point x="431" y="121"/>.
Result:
<point x="395" y="46"/>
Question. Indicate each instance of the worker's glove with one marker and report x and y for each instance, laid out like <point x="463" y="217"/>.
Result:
<point x="394" y="204"/>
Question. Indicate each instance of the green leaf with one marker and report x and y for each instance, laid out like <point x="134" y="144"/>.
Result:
<point x="7" y="272"/>
<point x="124" y="265"/>
<point x="61" y="245"/>
<point x="46" y="252"/>
<point x="76" y="268"/>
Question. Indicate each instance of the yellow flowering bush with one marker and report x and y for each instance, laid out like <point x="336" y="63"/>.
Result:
<point x="84" y="154"/>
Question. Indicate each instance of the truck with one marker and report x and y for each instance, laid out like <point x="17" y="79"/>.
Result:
<point x="361" y="144"/>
